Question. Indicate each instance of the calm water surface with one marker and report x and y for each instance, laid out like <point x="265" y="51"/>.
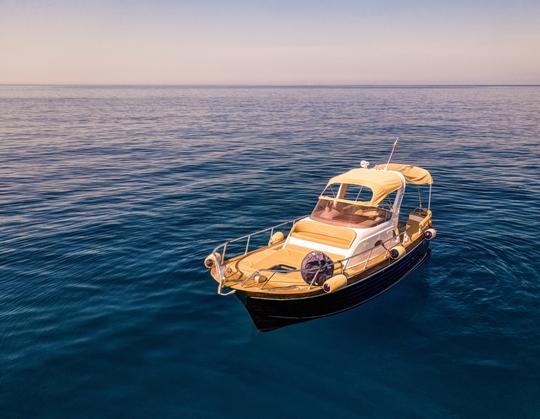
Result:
<point x="111" y="197"/>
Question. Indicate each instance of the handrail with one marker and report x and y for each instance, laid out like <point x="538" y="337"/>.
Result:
<point x="220" y="259"/>
<point x="288" y="271"/>
<point x="338" y="262"/>
<point x="263" y="230"/>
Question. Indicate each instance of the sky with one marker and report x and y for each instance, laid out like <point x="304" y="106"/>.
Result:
<point x="270" y="42"/>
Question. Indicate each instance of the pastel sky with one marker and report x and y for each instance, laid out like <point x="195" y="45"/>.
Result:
<point x="269" y="42"/>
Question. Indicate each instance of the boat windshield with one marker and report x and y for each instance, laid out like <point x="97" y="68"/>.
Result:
<point x="347" y="213"/>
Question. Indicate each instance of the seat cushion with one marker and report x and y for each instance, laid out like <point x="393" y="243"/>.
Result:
<point x="321" y="233"/>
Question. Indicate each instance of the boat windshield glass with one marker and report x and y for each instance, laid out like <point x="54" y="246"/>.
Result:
<point x="347" y="213"/>
<point x="350" y="205"/>
<point x="331" y="191"/>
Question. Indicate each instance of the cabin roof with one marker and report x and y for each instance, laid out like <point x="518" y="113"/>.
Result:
<point x="381" y="182"/>
<point x="413" y="174"/>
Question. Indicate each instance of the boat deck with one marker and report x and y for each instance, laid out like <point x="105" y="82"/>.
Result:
<point x="239" y="272"/>
<point x="252" y="272"/>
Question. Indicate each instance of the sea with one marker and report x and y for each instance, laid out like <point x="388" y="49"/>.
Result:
<point x="112" y="196"/>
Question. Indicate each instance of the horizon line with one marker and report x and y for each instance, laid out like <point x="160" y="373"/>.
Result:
<point x="278" y="85"/>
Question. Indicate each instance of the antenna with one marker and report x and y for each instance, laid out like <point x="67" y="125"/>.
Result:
<point x="392" y="153"/>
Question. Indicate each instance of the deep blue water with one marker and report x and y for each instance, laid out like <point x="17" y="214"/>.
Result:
<point x="112" y="196"/>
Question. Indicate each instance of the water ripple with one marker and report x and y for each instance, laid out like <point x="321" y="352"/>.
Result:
<point x="111" y="197"/>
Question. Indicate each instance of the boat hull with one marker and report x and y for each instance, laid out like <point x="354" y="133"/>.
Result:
<point x="272" y="313"/>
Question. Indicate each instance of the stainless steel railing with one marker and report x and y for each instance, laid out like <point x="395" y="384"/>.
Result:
<point x="221" y="260"/>
<point x="220" y="257"/>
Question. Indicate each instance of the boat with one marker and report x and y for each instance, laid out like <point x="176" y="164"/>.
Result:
<point x="353" y="246"/>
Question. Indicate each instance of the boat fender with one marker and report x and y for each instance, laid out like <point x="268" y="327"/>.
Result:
<point x="260" y="279"/>
<point x="276" y="238"/>
<point x="430" y="233"/>
<point x="397" y="251"/>
<point x="211" y="260"/>
<point x="334" y="283"/>
<point x="316" y="268"/>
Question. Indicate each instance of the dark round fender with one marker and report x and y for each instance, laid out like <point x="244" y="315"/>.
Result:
<point x="430" y="233"/>
<point x="317" y="268"/>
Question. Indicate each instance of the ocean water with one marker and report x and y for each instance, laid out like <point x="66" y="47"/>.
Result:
<point x="111" y="197"/>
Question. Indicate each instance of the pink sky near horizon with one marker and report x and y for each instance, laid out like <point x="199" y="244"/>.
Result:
<point x="298" y="42"/>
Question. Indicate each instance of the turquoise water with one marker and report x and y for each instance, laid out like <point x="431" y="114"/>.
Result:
<point x="112" y="196"/>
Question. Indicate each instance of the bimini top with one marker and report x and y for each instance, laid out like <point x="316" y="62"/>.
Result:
<point x="381" y="182"/>
<point x="413" y="174"/>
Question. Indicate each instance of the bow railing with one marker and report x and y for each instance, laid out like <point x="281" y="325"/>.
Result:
<point x="220" y="254"/>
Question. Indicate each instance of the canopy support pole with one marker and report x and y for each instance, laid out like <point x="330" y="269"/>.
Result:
<point x="391" y="153"/>
<point x="429" y="198"/>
